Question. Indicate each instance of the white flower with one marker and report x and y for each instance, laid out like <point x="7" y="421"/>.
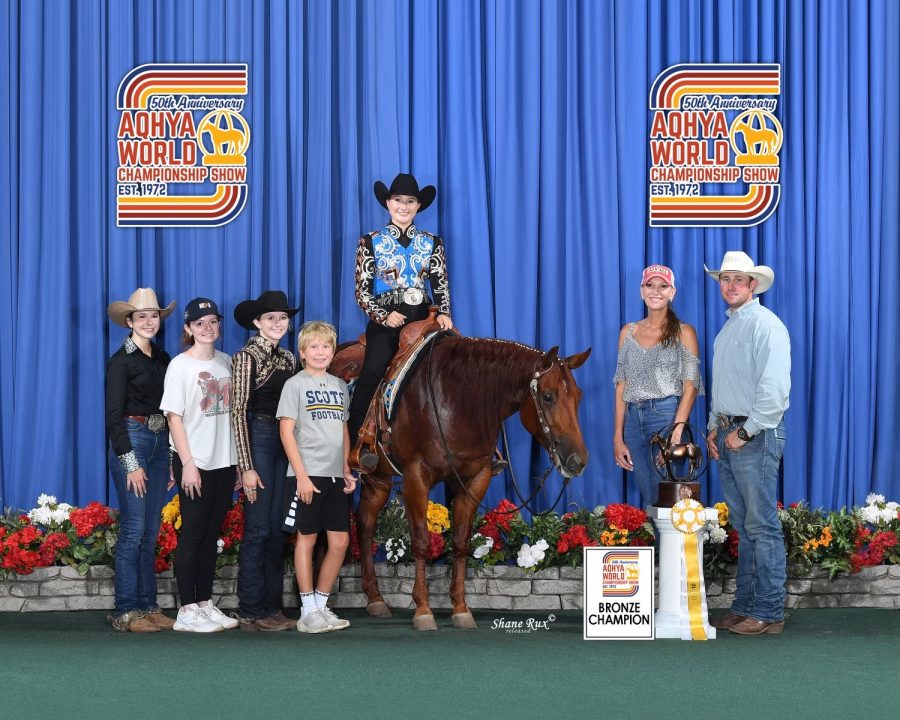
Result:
<point x="525" y="558"/>
<point x="542" y="545"/>
<point x="394" y="549"/>
<point x="42" y="515"/>
<point x="869" y="514"/>
<point x="46" y="500"/>
<point x="484" y="548"/>
<point x="892" y="506"/>
<point x="59" y="516"/>
<point x="887" y="515"/>
<point x="220" y="546"/>
<point x="717" y="534"/>
<point x="599" y="510"/>
<point x="872" y="499"/>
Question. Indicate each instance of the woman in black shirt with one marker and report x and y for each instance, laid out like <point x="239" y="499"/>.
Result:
<point x="139" y="458"/>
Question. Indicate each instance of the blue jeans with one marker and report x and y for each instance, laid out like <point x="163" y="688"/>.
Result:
<point x="642" y="420"/>
<point x="749" y="478"/>
<point x="261" y="569"/>
<point x="139" y="519"/>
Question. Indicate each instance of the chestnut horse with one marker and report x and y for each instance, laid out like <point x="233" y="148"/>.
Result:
<point x="463" y="389"/>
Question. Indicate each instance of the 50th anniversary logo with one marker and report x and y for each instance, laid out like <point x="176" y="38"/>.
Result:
<point x="714" y="144"/>
<point x="181" y="145"/>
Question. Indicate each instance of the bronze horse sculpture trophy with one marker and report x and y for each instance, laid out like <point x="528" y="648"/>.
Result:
<point x="446" y="428"/>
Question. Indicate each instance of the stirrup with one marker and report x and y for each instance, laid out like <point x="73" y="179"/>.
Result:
<point x="368" y="460"/>
<point x="498" y="465"/>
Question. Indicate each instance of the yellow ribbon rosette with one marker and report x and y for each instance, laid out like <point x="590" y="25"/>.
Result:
<point x="687" y="518"/>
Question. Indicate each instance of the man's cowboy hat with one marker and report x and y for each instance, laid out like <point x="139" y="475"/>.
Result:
<point x="270" y="301"/>
<point x="736" y="261"/>
<point x="405" y="184"/>
<point x="141" y="299"/>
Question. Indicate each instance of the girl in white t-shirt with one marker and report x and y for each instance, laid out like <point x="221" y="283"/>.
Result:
<point x="197" y="402"/>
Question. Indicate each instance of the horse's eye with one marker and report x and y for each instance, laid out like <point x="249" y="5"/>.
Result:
<point x="548" y="397"/>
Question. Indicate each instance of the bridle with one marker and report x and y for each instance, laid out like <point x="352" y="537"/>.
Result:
<point x="552" y="442"/>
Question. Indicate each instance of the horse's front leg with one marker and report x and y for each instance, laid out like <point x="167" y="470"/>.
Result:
<point x="373" y="495"/>
<point x="465" y="502"/>
<point x="415" y="497"/>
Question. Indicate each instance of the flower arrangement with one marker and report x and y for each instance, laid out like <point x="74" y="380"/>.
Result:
<point x="57" y="533"/>
<point x="840" y="541"/>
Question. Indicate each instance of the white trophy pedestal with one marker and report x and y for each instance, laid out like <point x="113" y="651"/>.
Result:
<point x="668" y="614"/>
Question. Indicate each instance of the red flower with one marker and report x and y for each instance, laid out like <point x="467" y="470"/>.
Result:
<point x="232" y="529"/>
<point x="626" y="517"/>
<point x="794" y="505"/>
<point x="491" y="531"/>
<point x="354" y="539"/>
<point x="87" y="519"/>
<point x="779" y="505"/>
<point x="733" y="542"/>
<point x="502" y="515"/>
<point x="436" y="545"/>
<point x="51" y="545"/>
<point x="573" y="538"/>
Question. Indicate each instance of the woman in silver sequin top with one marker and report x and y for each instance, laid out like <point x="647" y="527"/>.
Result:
<point x="657" y="379"/>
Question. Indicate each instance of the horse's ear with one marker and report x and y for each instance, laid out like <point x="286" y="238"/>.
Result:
<point x="575" y="361"/>
<point x="545" y="362"/>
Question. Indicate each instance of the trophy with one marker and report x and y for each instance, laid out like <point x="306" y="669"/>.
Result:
<point x="678" y="464"/>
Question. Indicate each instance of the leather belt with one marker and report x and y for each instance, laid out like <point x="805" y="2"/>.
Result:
<point x="155" y="423"/>
<point x="724" y="421"/>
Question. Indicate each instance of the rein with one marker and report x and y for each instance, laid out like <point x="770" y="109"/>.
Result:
<point x="545" y="426"/>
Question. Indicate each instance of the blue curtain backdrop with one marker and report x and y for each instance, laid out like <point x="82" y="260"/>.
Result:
<point x="532" y="120"/>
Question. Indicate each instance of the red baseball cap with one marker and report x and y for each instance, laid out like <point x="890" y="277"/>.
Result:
<point x="660" y="271"/>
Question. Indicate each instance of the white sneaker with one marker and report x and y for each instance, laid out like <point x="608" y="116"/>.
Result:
<point x="193" y="619"/>
<point x="217" y="616"/>
<point x="333" y="620"/>
<point x="314" y="623"/>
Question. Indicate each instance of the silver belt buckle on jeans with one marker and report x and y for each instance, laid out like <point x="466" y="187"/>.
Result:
<point x="723" y="421"/>
<point x="413" y="296"/>
<point x="156" y="423"/>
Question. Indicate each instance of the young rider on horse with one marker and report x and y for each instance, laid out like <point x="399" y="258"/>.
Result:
<point x="393" y="265"/>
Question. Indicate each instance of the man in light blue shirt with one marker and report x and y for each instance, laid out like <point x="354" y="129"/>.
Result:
<point x="750" y="388"/>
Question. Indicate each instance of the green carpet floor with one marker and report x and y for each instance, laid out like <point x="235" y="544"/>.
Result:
<point x="827" y="664"/>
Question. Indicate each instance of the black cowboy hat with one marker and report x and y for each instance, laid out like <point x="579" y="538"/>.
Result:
<point x="405" y="184"/>
<point x="270" y="301"/>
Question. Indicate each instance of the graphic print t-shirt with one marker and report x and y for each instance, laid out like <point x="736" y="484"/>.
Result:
<point x="319" y="406"/>
<point x="200" y="391"/>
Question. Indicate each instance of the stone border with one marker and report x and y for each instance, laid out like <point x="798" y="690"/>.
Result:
<point x="500" y="587"/>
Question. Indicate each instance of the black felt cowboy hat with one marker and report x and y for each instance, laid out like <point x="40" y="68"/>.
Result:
<point x="270" y="301"/>
<point x="405" y="184"/>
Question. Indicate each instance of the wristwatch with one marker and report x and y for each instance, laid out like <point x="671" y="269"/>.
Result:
<point x="742" y="434"/>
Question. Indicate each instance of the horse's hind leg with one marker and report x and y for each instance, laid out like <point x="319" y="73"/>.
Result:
<point x="373" y="495"/>
<point x="464" y="505"/>
<point x="415" y="497"/>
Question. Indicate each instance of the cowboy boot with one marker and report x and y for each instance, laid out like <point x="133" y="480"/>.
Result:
<point x="362" y="457"/>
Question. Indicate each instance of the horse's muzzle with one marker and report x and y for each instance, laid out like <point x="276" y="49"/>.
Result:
<point x="575" y="464"/>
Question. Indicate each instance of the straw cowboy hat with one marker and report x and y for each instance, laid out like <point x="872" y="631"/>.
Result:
<point x="141" y="299"/>
<point x="405" y="184"/>
<point x="736" y="261"/>
<point x="270" y="301"/>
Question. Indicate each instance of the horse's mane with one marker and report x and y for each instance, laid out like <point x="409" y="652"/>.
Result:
<point x="485" y="378"/>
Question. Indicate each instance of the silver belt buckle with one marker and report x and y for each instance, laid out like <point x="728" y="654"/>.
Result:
<point x="413" y="296"/>
<point x="723" y="421"/>
<point x="156" y="423"/>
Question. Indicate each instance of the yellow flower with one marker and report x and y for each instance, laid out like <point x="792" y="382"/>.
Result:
<point x="437" y="518"/>
<point x="723" y="513"/>
<point x="171" y="512"/>
<point x="607" y="538"/>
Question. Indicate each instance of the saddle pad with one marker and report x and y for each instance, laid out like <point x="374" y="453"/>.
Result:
<point x="393" y="389"/>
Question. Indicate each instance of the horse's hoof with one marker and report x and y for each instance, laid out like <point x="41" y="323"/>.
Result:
<point x="424" y="622"/>
<point x="379" y="609"/>
<point x="464" y="620"/>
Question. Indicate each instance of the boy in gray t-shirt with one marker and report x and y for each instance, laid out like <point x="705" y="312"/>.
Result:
<point x="313" y="428"/>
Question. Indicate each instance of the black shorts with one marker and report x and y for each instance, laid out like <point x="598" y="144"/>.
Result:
<point x="329" y="509"/>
